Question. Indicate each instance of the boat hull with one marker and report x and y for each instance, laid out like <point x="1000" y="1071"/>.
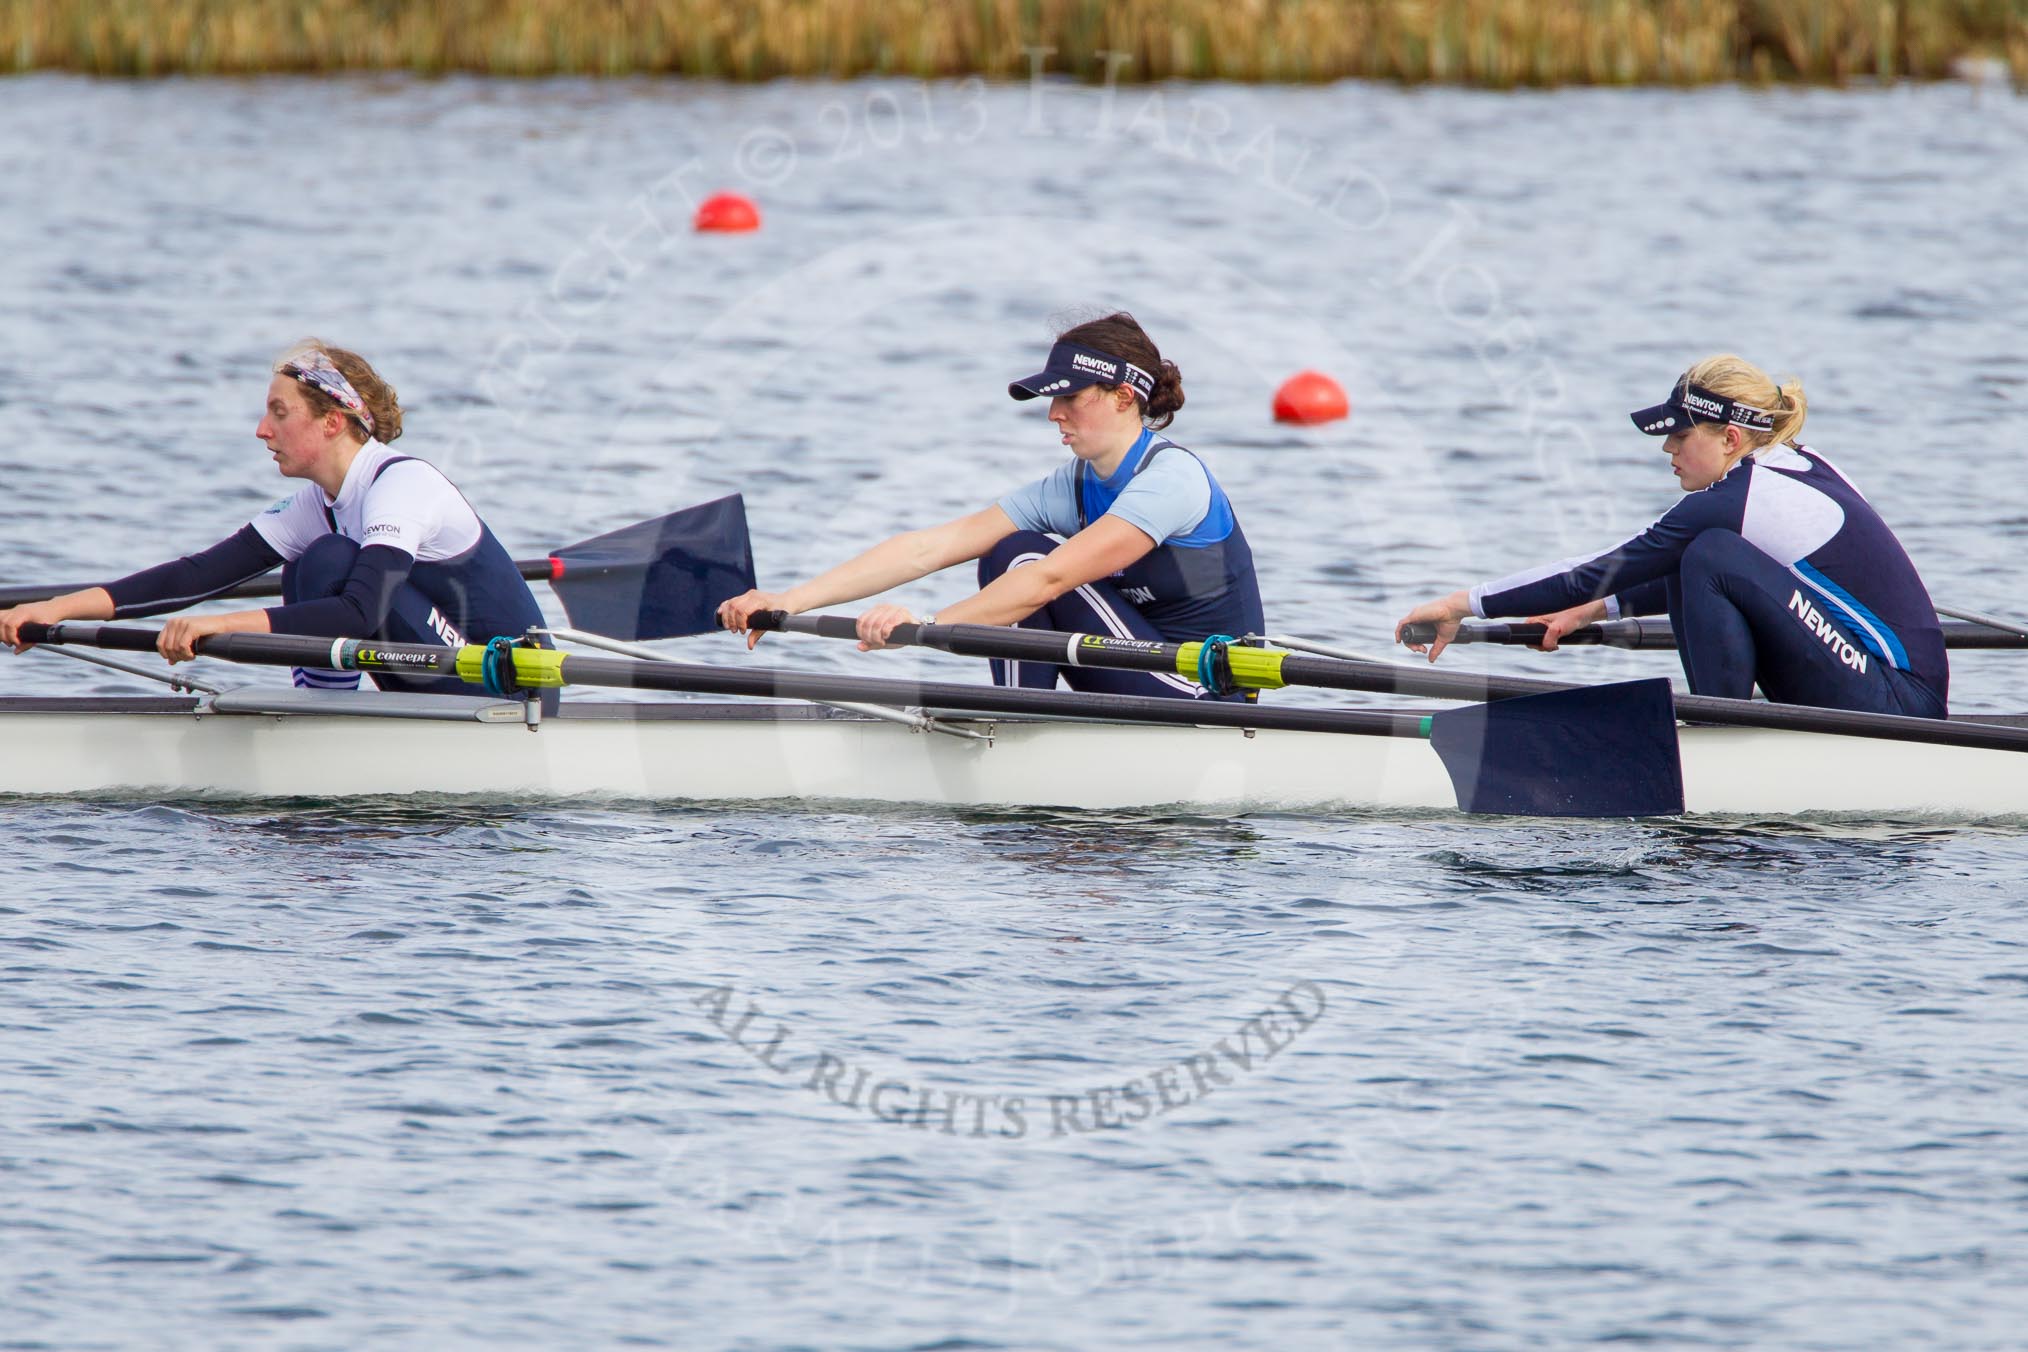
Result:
<point x="712" y="752"/>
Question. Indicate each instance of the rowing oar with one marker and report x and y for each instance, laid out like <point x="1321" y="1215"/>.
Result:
<point x="1269" y="668"/>
<point x="2014" y="627"/>
<point x="1646" y="633"/>
<point x="1458" y="736"/>
<point x="1603" y="751"/>
<point x="661" y="578"/>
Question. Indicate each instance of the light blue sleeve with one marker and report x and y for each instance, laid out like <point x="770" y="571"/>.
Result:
<point x="1049" y="504"/>
<point x="1167" y="499"/>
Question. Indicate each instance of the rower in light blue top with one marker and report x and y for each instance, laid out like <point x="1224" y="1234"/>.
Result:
<point x="1774" y="569"/>
<point x="1131" y="537"/>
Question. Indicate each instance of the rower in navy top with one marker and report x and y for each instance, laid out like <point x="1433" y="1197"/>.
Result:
<point x="1131" y="537"/>
<point x="375" y="545"/>
<point x="1774" y="569"/>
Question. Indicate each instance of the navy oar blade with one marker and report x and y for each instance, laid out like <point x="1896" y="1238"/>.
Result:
<point x="658" y="579"/>
<point x="1603" y="751"/>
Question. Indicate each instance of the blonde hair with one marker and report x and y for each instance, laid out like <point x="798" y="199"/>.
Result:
<point x="1738" y="379"/>
<point x="376" y="393"/>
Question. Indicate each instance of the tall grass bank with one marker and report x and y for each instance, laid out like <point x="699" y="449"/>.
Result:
<point x="1480" y="42"/>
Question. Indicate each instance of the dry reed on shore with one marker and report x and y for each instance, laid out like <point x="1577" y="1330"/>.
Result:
<point x="1500" y="43"/>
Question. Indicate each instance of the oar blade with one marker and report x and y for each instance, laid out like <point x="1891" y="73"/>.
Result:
<point x="658" y="579"/>
<point x="1600" y="751"/>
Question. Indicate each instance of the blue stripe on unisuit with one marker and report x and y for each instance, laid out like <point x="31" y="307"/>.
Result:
<point x="1872" y="630"/>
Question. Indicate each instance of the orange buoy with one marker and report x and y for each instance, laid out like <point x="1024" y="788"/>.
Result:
<point x="727" y="212"/>
<point x="1311" y="397"/>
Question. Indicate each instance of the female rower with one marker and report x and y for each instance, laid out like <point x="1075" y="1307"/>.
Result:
<point x="375" y="545"/>
<point x="1773" y="568"/>
<point x="1148" y="544"/>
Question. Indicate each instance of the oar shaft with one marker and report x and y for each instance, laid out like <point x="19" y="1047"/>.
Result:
<point x="985" y="640"/>
<point x="1252" y="668"/>
<point x="550" y="668"/>
<point x="2014" y="627"/>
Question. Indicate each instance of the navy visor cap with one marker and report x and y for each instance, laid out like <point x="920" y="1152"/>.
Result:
<point x="1689" y="403"/>
<point x="1072" y="366"/>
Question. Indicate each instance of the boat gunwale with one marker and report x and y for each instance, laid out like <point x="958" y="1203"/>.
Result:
<point x="646" y="711"/>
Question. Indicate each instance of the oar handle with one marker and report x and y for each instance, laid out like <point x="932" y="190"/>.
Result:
<point x="828" y="626"/>
<point x="120" y="638"/>
<point x="823" y="626"/>
<point x="1607" y="633"/>
<point x="272" y="649"/>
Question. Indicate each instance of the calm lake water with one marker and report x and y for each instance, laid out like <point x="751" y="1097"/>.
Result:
<point x="444" y="1074"/>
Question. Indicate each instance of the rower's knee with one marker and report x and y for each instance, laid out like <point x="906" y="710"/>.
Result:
<point x="320" y="570"/>
<point x="1714" y="553"/>
<point x="1023" y="546"/>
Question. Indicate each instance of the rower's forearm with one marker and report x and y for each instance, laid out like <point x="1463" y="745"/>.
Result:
<point x="90" y="603"/>
<point x="1007" y="599"/>
<point x="888" y="564"/>
<point x="244" y="622"/>
<point x="238" y="558"/>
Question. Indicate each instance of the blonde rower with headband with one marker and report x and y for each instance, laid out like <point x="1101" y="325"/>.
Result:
<point x="1773" y="569"/>
<point x="373" y="545"/>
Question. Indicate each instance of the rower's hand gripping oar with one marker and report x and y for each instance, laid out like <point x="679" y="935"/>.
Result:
<point x="1595" y="751"/>
<point x="661" y="578"/>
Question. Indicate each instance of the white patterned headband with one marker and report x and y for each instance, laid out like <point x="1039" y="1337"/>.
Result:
<point x="315" y="369"/>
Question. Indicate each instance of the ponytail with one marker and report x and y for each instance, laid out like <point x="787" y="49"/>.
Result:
<point x="1738" y="379"/>
<point x="1121" y="335"/>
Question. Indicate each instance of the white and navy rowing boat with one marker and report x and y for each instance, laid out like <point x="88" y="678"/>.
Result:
<point x="945" y="745"/>
<point x="1513" y="746"/>
<point x="277" y="743"/>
